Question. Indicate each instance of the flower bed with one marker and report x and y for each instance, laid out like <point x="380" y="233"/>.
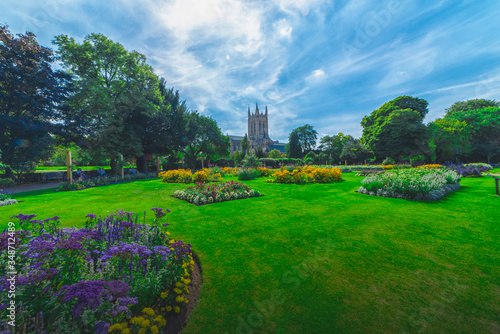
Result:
<point x="470" y="170"/>
<point x="114" y="275"/>
<point x="6" y="198"/>
<point x="186" y="176"/>
<point x="421" y="184"/>
<point x="216" y="192"/>
<point x="302" y="175"/>
<point x="430" y="166"/>
<point x="102" y="181"/>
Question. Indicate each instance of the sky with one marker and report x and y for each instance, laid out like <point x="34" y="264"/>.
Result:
<point x="326" y="63"/>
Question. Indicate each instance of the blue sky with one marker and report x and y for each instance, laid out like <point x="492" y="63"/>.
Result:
<point x="325" y="63"/>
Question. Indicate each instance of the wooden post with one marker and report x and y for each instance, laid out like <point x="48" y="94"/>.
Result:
<point x="158" y="164"/>
<point x="69" y="170"/>
<point x="497" y="190"/>
<point x="121" y="165"/>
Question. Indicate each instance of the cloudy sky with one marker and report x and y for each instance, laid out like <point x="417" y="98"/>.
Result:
<point x="327" y="63"/>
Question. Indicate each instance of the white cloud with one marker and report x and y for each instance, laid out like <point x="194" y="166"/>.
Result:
<point x="283" y="29"/>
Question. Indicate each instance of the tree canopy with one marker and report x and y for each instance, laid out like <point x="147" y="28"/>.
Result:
<point x="301" y="140"/>
<point x="203" y="135"/>
<point x="114" y="90"/>
<point x="333" y="145"/>
<point x="32" y="97"/>
<point x="396" y="128"/>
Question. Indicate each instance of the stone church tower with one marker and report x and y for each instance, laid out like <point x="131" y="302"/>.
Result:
<point x="258" y="133"/>
<point x="258" y="128"/>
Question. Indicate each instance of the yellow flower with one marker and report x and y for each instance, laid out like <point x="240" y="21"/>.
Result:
<point x="115" y="327"/>
<point x="169" y="308"/>
<point x="164" y="295"/>
<point x="137" y="320"/>
<point x="145" y="323"/>
<point x="142" y="331"/>
<point x="178" y="284"/>
<point x="154" y="329"/>
<point x="177" y="309"/>
<point x="179" y="299"/>
<point x="126" y="331"/>
<point x="148" y="311"/>
<point x="159" y="319"/>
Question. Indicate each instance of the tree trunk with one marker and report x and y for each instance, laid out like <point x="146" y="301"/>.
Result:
<point x="114" y="166"/>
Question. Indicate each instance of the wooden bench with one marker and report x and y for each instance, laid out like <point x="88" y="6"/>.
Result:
<point x="46" y="177"/>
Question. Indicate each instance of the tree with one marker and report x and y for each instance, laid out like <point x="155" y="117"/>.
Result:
<point x="474" y="104"/>
<point x="245" y="145"/>
<point x="259" y="152"/>
<point x="333" y="145"/>
<point x="275" y="154"/>
<point x="450" y="139"/>
<point x="292" y="148"/>
<point x="355" y="152"/>
<point x="396" y="128"/>
<point x="114" y="88"/>
<point x="202" y="134"/>
<point x="31" y="99"/>
<point x="484" y="131"/>
<point x="301" y="140"/>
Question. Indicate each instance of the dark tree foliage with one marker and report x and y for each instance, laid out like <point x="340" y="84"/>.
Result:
<point x="203" y="135"/>
<point x="484" y="132"/>
<point x="245" y="144"/>
<point x="353" y="151"/>
<point x="396" y="129"/>
<point x="32" y="95"/>
<point x="332" y="145"/>
<point x="301" y="140"/>
<point x="116" y="93"/>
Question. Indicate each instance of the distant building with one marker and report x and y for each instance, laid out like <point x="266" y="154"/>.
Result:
<point x="258" y="133"/>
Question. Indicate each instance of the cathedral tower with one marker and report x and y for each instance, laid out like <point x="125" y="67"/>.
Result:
<point x="258" y="127"/>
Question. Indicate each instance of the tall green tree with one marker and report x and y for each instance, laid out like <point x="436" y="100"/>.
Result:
<point x="245" y="145"/>
<point x="203" y="135"/>
<point x="113" y="88"/>
<point x="302" y="140"/>
<point x="32" y="96"/>
<point x="354" y="151"/>
<point x="450" y="139"/>
<point x="484" y="131"/>
<point x="396" y="128"/>
<point x="332" y="145"/>
<point x="468" y="105"/>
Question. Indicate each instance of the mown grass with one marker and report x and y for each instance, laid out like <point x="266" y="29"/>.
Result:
<point x="321" y="258"/>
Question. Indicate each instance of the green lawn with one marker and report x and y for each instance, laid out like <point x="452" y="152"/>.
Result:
<point x="321" y="258"/>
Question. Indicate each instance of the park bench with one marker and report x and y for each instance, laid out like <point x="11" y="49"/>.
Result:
<point x="47" y="177"/>
<point x="29" y="178"/>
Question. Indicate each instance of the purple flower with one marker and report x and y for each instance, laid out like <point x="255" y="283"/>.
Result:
<point x="22" y="217"/>
<point x="159" y="212"/>
<point x="55" y="218"/>
<point x="101" y="327"/>
<point x="91" y="216"/>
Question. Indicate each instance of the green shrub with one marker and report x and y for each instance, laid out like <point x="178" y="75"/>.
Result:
<point x="248" y="174"/>
<point x="388" y="161"/>
<point x="5" y="183"/>
<point x="251" y="161"/>
<point x="269" y="162"/>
